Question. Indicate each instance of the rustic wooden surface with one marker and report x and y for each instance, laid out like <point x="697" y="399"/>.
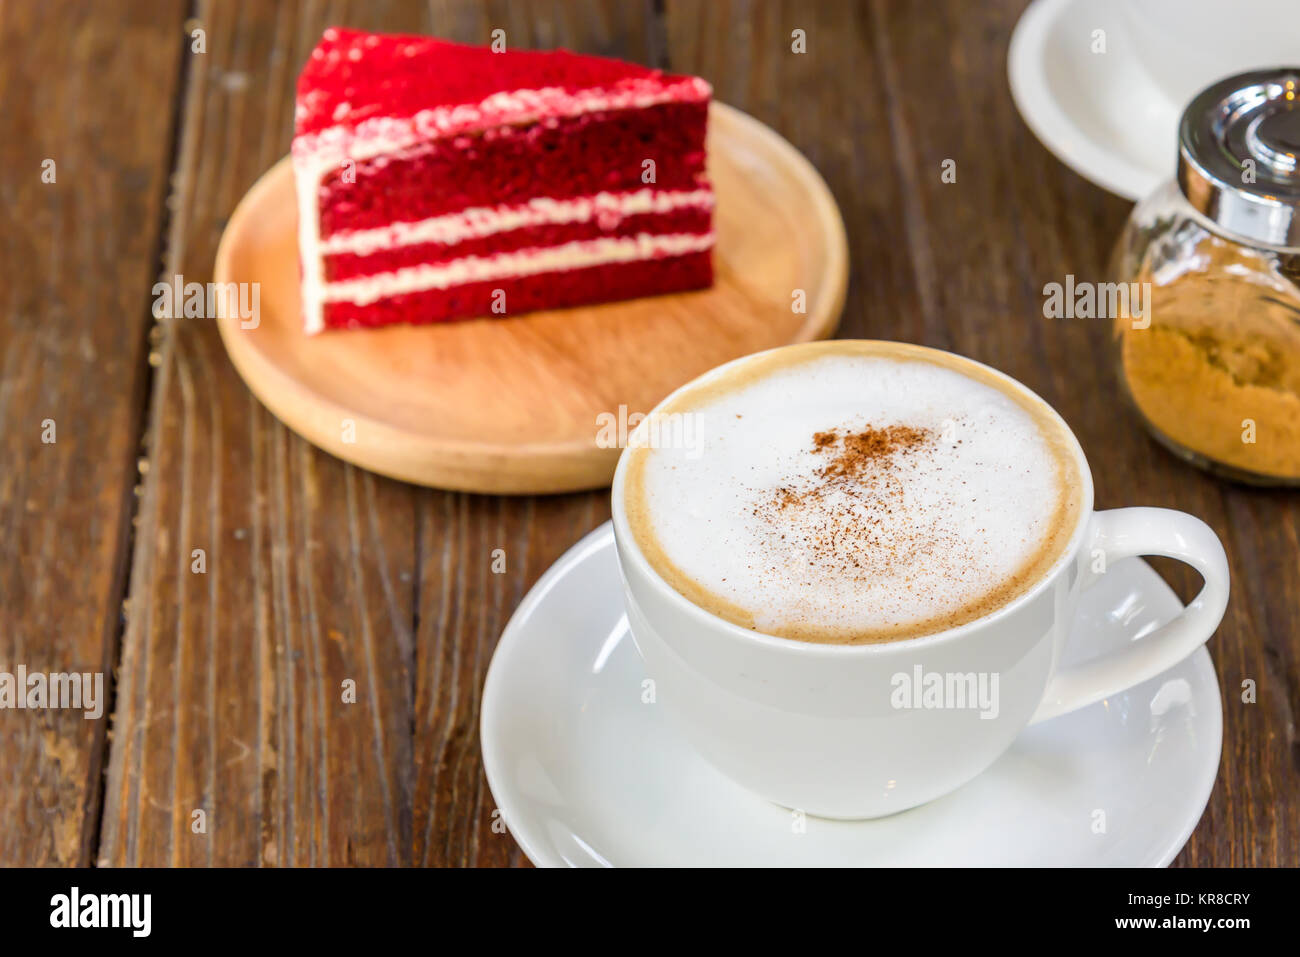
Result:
<point x="76" y="262"/>
<point x="227" y="691"/>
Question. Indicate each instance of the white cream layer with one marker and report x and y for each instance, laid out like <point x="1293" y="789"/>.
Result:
<point x="581" y="254"/>
<point x="608" y="209"/>
<point x="388" y="134"/>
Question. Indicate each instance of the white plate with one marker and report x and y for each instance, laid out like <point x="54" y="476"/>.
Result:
<point x="586" y="775"/>
<point x="1100" y="113"/>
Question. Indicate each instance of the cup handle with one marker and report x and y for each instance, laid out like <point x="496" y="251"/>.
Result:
<point x="1121" y="533"/>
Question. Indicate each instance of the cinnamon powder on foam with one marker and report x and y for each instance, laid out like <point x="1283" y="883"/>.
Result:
<point x="843" y="516"/>
<point x="838" y="520"/>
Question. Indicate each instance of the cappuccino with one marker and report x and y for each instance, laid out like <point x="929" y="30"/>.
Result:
<point x="850" y="492"/>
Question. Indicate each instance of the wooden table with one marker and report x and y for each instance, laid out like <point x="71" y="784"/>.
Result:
<point x="226" y="680"/>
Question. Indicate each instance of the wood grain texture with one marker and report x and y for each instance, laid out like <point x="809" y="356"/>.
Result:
<point x="512" y="407"/>
<point x="229" y="696"/>
<point x="74" y="309"/>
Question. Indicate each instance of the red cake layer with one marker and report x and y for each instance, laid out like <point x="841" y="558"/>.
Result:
<point x="339" y="266"/>
<point x="352" y="76"/>
<point x="526" y="294"/>
<point x="538" y="160"/>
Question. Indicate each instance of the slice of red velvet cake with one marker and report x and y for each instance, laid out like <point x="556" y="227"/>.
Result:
<point x="439" y="181"/>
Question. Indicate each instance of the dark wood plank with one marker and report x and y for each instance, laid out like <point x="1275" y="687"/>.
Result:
<point x="231" y="697"/>
<point x="827" y="102"/>
<point x="74" y="308"/>
<point x="464" y="607"/>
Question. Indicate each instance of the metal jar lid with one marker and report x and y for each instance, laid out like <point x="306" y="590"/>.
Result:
<point x="1239" y="155"/>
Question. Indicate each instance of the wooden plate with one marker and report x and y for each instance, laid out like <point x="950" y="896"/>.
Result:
<point x="511" y="405"/>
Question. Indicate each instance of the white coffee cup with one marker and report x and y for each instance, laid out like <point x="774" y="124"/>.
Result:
<point x="820" y="727"/>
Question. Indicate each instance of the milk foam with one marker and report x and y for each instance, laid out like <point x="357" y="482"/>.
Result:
<point x="774" y="521"/>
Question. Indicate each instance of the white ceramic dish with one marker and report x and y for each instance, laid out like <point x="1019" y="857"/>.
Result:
<point x="1099" y="113"/>
<point x="585" y="774"/>
<point x="1110" y="110"/>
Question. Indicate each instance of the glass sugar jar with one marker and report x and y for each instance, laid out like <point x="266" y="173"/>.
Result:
<point x="1209" y="343"/>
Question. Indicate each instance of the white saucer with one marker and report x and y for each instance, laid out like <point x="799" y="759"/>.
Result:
<point x="1101" y="114"/>
<point x="586" y="775"/>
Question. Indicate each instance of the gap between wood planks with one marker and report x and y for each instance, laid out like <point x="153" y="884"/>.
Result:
<point x="143" y="420"/>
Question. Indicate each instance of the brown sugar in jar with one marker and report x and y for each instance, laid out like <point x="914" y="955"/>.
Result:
<point x="1217" y="370"/>
<point x="1211" y="358"/>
